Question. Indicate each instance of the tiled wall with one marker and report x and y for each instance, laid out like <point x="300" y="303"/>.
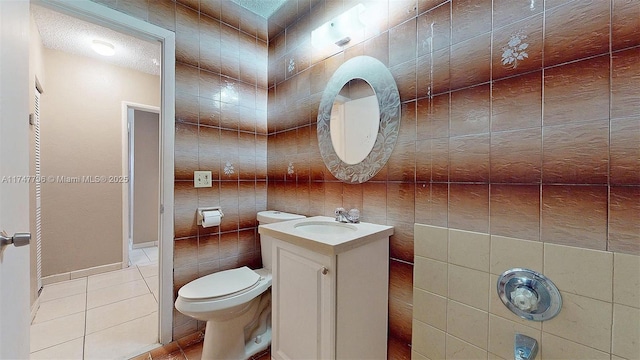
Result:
<point x="457" y="313"/>
<point x="519" y="119"/>
<point x="221" y="105"/>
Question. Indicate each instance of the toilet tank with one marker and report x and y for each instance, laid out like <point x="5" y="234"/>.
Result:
<point x="269" y="217"/>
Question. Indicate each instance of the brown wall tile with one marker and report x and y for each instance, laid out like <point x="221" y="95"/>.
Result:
<point x="469" y="207"/>
<point x="574" y="216"/>
<point x="401" y="164"/>
<point x="400" y="202"/>
<point x="506" y="12"/>
<point x="230" y="56"/>
<point x="624" y="155"/>
<point x="469" y="158"/>
<point x="405" y="77"/>
<point x="374" y="202"/>
<point x="434" y="30"/>
<point x="210" y="45"/>
<point x="471" y="62"/>
<point x="186" y="151"/>
<point x="208" y="150"/>
<point x="432" y="204"/>
<point x="400" y="298"/>
<point x="163" y="14"/>
<point x="401" y="242"/>
<point x="624" y="212"/>
<point x="582" y="26"/>
<point x="577" y="92"/>
<point x="625" y="24"/>
<point x="517" y="103"/>
<point x="402" y="43"/>
<point x="576" y="153"/>
<point x="517" y="48"/>
<point x="470" y="111"/>
<point x="185" y="203"/>
<point x="515" y="211"/>
<point x="625" y="81"/>
<point x="401" y="10"/>
<point x="433" y="117"/>
<point x="469" y="18"/>
<point x="187" y="35"/>
<point x="516" y="156"/>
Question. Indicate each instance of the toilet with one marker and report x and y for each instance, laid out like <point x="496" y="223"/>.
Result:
<point x="235" y="303"/>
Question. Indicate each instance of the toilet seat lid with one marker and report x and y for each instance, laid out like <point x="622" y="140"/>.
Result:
<point x="220" y="284"/>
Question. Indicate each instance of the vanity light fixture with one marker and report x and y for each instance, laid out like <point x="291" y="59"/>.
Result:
<point x="103" y="48"/>
<point x="339" y="29"/>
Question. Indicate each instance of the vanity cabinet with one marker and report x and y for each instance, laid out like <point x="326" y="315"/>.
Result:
<point x="329" y="304"/>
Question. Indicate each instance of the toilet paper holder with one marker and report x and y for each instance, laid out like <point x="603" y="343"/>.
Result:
<point x="201" y="210"/>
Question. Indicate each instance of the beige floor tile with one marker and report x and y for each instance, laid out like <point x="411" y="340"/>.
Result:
<point x="152" y="253"/>
<point x="138" y="257"/>
<point x="57" y="308"/>
<point x="149" y="270"/>
<point x="152" y="283"/>
<point x="120" y="312"/>
<point x="112" y="278"/>
<point x="63" y="289"/>
<point x="124" y="340"/>
<point x="57" y="331"/>
<point x="70" y="350"/>
<point x="111" y="294"/>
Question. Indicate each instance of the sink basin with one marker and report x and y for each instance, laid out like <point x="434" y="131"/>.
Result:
<point x="325" y="227"/>
<point x="325" y="235"/>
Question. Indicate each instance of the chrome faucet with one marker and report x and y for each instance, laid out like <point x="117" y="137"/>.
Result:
<point x="525" y="347"/>
<point x="352" y="216"/>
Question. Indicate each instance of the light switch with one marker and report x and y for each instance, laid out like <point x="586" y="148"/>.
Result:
<point x="202" y="179"/>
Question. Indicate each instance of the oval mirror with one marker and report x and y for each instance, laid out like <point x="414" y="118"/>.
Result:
<point x="355" y="116"/>
<point x="356" y="142"/>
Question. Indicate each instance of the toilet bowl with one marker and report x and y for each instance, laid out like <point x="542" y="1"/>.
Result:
<point x="235" y="303"/>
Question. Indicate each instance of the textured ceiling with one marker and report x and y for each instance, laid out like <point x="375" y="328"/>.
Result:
<point x="68" y="34"/>
<point x="263" y="8"/>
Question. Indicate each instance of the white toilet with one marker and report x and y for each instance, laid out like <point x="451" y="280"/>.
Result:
<point x="236" y="304"/>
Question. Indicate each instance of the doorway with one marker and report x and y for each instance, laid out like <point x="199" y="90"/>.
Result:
<point x="99" y="14"/>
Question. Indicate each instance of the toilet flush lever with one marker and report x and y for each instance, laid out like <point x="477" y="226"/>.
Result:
<point x="525" y="347"/>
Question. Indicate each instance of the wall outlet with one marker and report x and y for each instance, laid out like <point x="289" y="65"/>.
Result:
<point x="202" y="179"/>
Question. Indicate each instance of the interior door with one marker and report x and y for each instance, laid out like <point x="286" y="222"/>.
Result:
<point x="14" y="180"/>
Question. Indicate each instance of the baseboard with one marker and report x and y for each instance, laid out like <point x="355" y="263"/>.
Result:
<point x="76" y="274"/>
<point x="144" y="245"/>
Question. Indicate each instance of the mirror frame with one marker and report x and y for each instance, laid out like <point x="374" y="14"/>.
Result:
<point x="376" y="74"/>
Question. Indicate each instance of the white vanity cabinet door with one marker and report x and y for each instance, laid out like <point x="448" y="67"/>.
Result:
<point x="303" y="311"/>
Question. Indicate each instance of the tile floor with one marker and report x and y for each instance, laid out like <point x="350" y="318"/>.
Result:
<point x="188" y="348"/>
<point x="110" y="315"/>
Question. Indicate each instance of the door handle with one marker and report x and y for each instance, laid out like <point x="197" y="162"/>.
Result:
<point x="18" y="239"/>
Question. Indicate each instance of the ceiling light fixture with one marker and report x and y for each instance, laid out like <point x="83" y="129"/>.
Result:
<point x="103" y="48"/>
<point x="339" y="29"/>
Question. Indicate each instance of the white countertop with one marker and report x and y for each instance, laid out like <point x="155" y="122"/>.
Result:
<point x="330" y="244"/>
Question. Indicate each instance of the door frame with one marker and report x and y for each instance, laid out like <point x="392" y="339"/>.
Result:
<point x="102" y="15"/>
<point x="128" y="149"/>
